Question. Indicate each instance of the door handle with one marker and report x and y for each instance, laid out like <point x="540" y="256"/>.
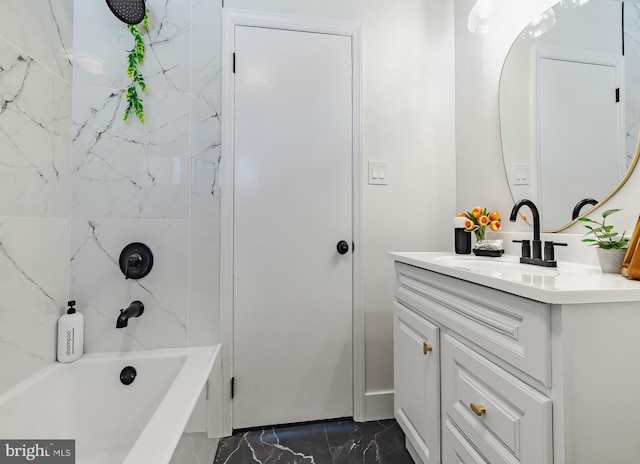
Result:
<point x="343" y="247"/>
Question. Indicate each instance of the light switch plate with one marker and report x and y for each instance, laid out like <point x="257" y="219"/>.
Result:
<point x="378" y="172"/>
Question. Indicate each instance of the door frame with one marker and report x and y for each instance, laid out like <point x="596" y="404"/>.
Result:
<point x="230" y="19"/>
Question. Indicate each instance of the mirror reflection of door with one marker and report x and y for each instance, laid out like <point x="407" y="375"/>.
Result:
<point x="595" y="28"/>
<point x="580" y="134"/>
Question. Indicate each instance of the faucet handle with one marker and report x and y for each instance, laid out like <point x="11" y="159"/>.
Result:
<point x="549" y="252"/>
<point x="526" y="248"/>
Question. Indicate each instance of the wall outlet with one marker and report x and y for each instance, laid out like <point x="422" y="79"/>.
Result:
<point x="520" y="172"/>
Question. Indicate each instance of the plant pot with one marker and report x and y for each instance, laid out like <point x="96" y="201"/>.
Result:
<point x="611" y="260"/>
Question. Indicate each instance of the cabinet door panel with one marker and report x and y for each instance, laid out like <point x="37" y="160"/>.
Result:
<point x="417" y="382"/>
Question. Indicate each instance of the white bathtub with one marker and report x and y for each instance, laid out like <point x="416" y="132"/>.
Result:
<point x="111" y="423"/>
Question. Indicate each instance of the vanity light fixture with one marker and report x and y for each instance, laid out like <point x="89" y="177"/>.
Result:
<point x="540" y="25"/>
<point x="482" y="16"/>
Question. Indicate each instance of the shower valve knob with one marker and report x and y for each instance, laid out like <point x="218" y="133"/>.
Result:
<point x="136" y="260"/>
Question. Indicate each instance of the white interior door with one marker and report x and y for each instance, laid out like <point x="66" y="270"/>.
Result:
<point x="580" y="136"/>
<point x="292" y="290"/>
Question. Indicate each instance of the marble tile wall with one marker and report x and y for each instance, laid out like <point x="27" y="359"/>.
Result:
<point x="35" y="180"/>
<point x="77" y="183"/>
<point x="154" y="183"/>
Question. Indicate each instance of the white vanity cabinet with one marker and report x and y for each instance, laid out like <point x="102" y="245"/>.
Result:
<point x="487" y="376"/>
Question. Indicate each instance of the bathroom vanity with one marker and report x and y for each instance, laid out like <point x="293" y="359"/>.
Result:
<point x="501" y="362"/>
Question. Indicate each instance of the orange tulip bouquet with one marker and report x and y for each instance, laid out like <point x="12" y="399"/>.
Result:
<point x="477" y="221"/>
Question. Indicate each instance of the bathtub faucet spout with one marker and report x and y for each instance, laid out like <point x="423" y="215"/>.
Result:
<point x="135" y="309"/>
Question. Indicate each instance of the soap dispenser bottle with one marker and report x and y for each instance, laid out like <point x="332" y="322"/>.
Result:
<point x="70" y="335"/>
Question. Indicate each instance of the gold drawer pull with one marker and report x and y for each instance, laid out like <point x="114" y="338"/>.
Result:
<point x="478" y="409"/>
<point x="426" y="348"/>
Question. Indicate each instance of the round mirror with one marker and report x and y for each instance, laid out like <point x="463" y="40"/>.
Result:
<point x="570" y="107"/>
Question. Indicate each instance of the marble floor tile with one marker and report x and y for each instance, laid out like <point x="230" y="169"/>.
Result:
<point x="332" y="442"/>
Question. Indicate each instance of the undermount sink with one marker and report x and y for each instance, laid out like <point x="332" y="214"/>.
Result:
<point x="508" y="266"/>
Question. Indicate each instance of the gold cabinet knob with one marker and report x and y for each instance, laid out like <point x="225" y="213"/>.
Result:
<point x="426" y="348"/>
<point x="478" y="409"/>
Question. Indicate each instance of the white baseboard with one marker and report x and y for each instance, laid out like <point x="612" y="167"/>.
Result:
<point x="378" y="405"/>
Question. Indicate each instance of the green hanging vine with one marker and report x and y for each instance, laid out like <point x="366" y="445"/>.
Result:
<point x="135" y="59"/>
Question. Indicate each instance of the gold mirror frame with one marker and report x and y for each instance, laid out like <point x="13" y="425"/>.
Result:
<point x="623" y="181"/>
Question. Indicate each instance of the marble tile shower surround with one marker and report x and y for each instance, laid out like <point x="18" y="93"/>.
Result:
<point x="166" y="169"/>
<point x="42" y="30"/>
<point x="34" y="278"/>
<point x="103" y="40"/>
<point x="179" y="294"/>
<point x="78" y="184"/>
<point x="156" y="183"/>
<point x="183" y="47"/>
<point x="35" y="121"/>
<point x="35" y="181"/>
<point x="126" y="170"/>
<point x="101" y="289"/>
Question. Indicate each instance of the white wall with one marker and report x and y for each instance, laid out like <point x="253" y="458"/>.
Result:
<point x="480" y="172"/>
<point x="407" y="81"/>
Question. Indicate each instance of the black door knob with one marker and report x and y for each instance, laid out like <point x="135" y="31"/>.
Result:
<point x="343" y="247"/>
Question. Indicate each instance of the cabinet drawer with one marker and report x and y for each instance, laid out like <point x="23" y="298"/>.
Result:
<point x="456" y="449"/>
<point x="502" y="416"/>
<point x="515" y="329"/>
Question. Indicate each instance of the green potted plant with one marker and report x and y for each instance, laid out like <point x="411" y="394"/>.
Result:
<point x="612" y="246"/>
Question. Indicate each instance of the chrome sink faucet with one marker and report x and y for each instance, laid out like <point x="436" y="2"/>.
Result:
<point x="532" y="253"/>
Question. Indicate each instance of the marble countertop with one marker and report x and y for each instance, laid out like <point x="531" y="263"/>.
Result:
<point x="569" y="283"/>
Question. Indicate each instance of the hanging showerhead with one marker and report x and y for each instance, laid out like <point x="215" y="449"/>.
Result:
<point x="128" y="11"/>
